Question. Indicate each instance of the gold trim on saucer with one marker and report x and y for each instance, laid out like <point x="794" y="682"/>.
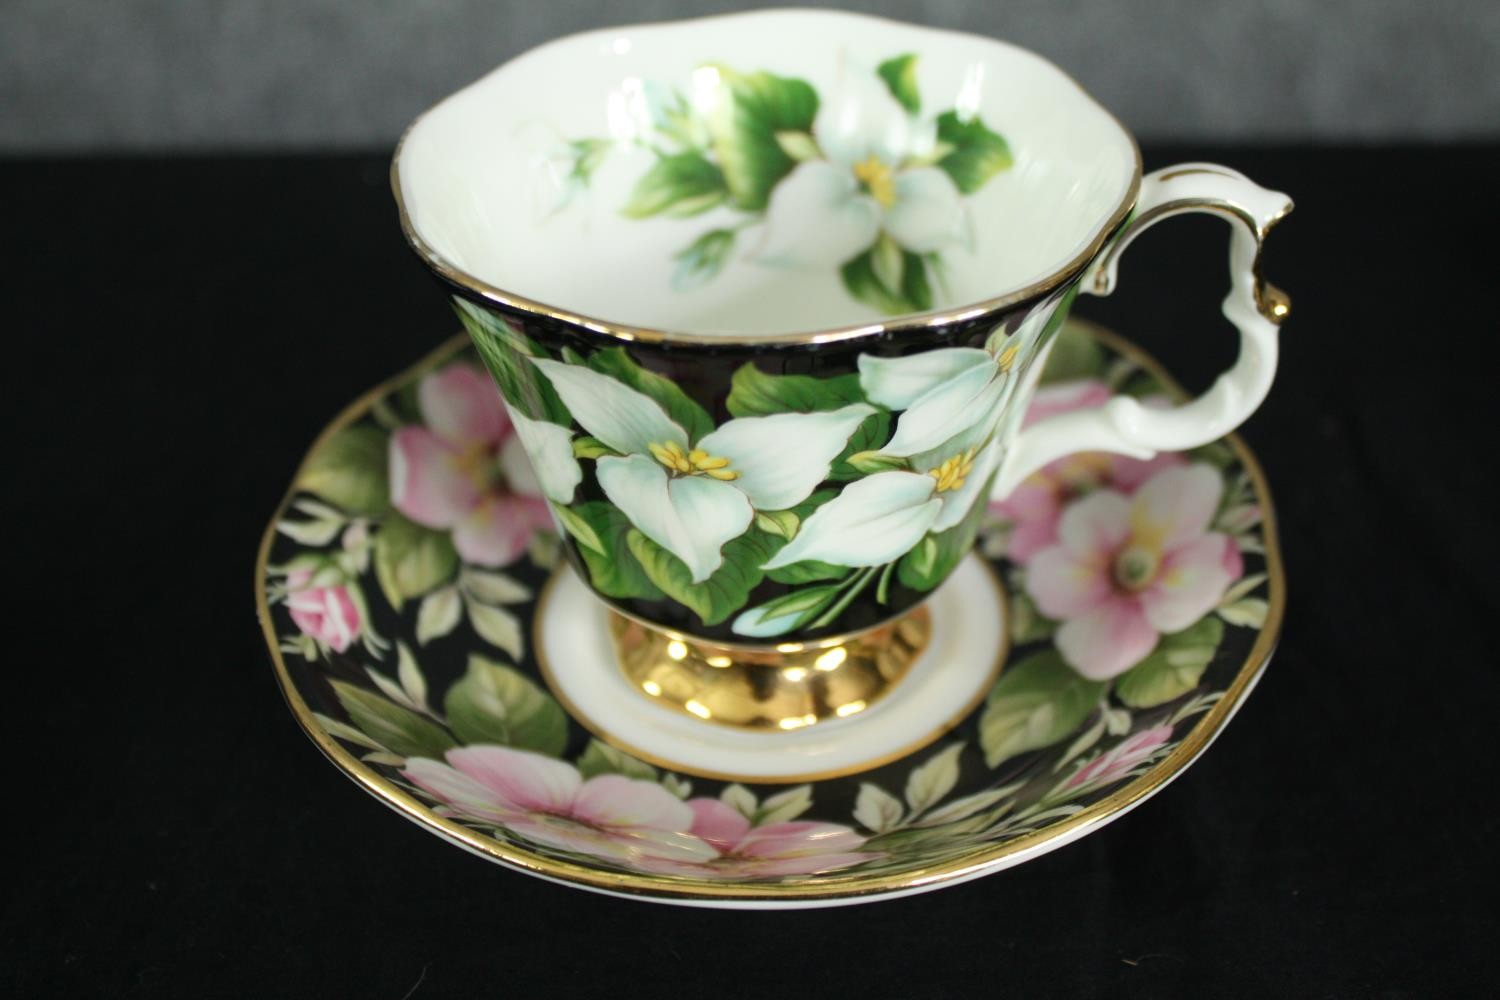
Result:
<point x="836" y="886"/>
<point x="781" y="688"/>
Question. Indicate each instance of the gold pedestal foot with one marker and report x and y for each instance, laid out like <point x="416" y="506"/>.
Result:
<point x="788" y="686"/>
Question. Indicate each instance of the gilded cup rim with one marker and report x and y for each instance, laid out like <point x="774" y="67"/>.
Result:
<point x="487" y="293"/>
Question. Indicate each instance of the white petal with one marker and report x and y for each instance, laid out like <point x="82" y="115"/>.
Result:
<point x="782" y="457"/>
<point x="899" y="382"/>
<point x="965" y="403"/>
<point x="552" y="469"/>
<point x="860" y="119"/>
<point x="873" y="521"/>
<point x="817" y="217"/>
<point x="691" y="517"/>
<point x="626" y="420"/>
<point x="956" y="504"/>
<point x="928" y="214"/>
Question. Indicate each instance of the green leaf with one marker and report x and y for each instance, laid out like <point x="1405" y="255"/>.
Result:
<point x="506" y="353"/>
<point x="799" y="146"/>
<point x="701" y="262"/>
<point x="872" y="432"/>
<point x="929" y="783"/>
<point x="1027" y="623"/>
<point x="678" y="185"/>
<point x="978" y="154"/>
<point x="588" y="156"/>
<point x="591" y="447"/>
<point x="723" y="593"/>
<point x="614" y="362"/>
<point x="863" y="281"/>
<point x="887" y="262"/>
<point x="349" y="470"/>
<point x="753" y="393"/>
<point x="806" y="602"/>
<point x="397" y="729"/>
<point x="744" y="128"/>
<point x="579" y="527"/>
<point x="1174" y="667"/>
<point x="808" y="571"/>
<point x="495" y="703"/>
<point x="932" y="559"/>
<point x="876" y="809"/>
<point x="1075" y="354"/>
<point x="601" y="758"/>
<point x="612" y="568"/>
<point x="411" y="560"/>
<point x="900" y="75"/>
<point x="782" y="523"/>
<point x="1034" y="704"/>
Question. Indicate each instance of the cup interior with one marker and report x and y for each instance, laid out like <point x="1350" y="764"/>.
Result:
<point x="765" y="174"/>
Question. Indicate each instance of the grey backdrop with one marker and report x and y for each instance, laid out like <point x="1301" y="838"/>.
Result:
<point x="80" y="75"/>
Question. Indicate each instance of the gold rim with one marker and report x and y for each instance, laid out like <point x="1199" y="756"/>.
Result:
<point x="544" y="664"/>
<point x="824" y="887"/>
<point x="496" y="295"/>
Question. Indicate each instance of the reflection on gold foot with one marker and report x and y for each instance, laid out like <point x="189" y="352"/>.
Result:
<point x="789" y="686"/>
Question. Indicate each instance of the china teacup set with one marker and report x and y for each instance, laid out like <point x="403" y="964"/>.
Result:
<point x="778" y="538"/>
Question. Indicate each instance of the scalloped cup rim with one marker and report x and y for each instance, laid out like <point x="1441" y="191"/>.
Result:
<point x="488" y="292"/>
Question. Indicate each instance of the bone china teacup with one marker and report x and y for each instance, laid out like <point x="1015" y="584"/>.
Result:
<point x="767" y="295"/>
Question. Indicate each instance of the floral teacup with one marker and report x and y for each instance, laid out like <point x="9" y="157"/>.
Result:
<point x="768" y="294"/>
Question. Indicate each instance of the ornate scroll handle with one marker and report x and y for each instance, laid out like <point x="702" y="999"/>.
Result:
<point x="1255" y="307"/>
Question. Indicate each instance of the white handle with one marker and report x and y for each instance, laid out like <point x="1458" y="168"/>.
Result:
<point x="1256" y="309"/>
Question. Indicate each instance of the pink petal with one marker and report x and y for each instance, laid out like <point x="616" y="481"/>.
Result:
<point x="785" y="840"/>
<point x="1031" y="536"/>
<point x="613" y="800"/>
<point x="427" y="484"/>
<point x="1096" y="526"/>
<point x="1234" y="562"/>
<point x="568" y="836"/>
<point x="1175" y="506"/>
<point x="499" y="529"/>
<point x="519" y="779"/>
<point x="462" y="406"/>
<point x="719" y="824"/>
<point x="1191" y="581"/>
<point x="469" y="798"/>
<point x="1107" y="641"/>
<point x="1065" y="397"/>
<point x="1065" y="585"/>
<point x="1035" y="497"/>
<point x="1127" y="474"/>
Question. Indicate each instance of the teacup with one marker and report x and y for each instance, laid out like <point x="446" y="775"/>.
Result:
<point x="767" y="295"/>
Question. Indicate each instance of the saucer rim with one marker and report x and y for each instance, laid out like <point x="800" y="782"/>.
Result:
<point x="818" y="890"/>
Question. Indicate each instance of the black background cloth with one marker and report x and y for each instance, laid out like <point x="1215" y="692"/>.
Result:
<point x="177" y="333"/>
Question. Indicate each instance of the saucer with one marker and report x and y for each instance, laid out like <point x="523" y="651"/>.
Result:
<point x="462" y="675"/>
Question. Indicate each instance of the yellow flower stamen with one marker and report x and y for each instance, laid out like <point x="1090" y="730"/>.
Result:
<point x="1007" y="358"/>
<point x="878" y="178"/>
<point x="692" y="463"/>
<point x="950" y="475"/>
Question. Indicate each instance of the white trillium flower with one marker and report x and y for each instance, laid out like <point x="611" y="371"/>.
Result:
<point x="951" y="401"/>
<point x="879" y="518"/>
<point x="826" y="212"/>
<point x="692" y="498"/>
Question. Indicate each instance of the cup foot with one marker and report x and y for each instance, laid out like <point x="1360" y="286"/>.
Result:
<point x="918" y="701"/>
<point x="789" y="686"/>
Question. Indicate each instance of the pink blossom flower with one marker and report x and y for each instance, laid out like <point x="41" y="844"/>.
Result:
<point x="328" y="614"/>
<point x="1034" y="506"/>
<point x="465" y="471"/>
<point x="1126" y="569"/>
<point x="770" y="851"/>
<point x="548" y="802"/>
<point x="1119" y="761"/>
